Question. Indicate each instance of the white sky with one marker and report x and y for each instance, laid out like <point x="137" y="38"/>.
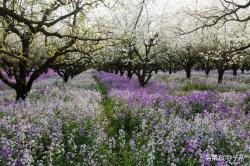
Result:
<point x="173" y="6"/>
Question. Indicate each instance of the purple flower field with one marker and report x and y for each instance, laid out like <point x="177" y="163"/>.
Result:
<point x="157" y="93"/>
<point x="163" y="123"/>
<point x="183" y="129"/>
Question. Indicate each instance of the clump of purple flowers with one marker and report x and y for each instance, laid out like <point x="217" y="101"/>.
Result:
<point x="120" y="87"/>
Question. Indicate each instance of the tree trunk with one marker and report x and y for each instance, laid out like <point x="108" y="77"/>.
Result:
<point x="143" y="78"/>
<point x="170" y="70"/>
<point x="65" y="78"/>
<point x="130" y="74"/>
<point x="21" y="92"/>
<point x="156" y="71"/>
<point x="235" y="68"/>
<point x="234" y="72"/>
<point x="207" y="72"/>
<point x="121" y="72"/>
<point x="242" y="71"/>
<point x="220" y="76"/>
<point x="142" y="82"/>
<point x="22" y="88"/>
<point x="188" y="73"/>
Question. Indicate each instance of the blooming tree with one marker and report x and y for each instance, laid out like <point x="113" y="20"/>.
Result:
<point x="34" y="34"/>
<point x="222" y="53"/>
<point x="136" y="51"/>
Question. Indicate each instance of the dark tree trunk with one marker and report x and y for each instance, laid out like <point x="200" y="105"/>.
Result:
<point x="65" y="78"/>
<point x="21" y="91"/>
<point x="142" y="82"/>
<point x="156" y="71"/>
<point x="170" y="70"/>
<point x="22" y="88"/>
<point x="121" y="72"/>
<point x="143" y="78"/>
<point x="116" y="71"/>
<point x="235" y="68"/>
<point x="207" y="71"/>
<point x="64" y="74"/>
<point x="130" y="74"/>
<point x="242" y="71"/>
<point x="21" y="95"/>
<point x="188" y="73"/>
<point x="220" y="76"/>
<point x="234" y="72"/>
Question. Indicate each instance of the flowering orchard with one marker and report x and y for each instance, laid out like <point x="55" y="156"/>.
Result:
<point x="116" y="82"/>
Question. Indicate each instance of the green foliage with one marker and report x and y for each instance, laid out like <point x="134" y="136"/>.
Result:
<point x="127" y="123"/>
<point x="241" y="89"/>
<point x="197" y="86"/>
<point x="188" y="86"/>
<point x="2" y="114"/>
<point x="196" y="109"/>
<point x="99" y="86"/>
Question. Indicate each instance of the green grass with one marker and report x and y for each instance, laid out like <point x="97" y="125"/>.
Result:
<point x="122" y="154"/>
<point x="192" y="86"/>
<point x="197" y="86"/>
